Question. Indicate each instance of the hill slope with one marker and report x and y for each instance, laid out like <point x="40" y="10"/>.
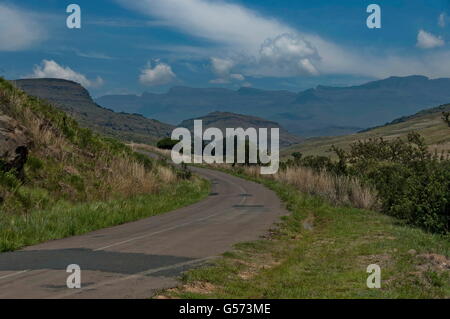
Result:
<point x="427" y="122"/>
<point x="75" y="100"/>
<point x="223" y="120"/>
<point x="322" y="111"/>
<point x="58" y="179"/>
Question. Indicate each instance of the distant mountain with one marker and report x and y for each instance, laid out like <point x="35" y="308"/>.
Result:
<point x="427" y="122"/>
<point x="321" y="111"/>
<point x="72" y="98"/>
<point x="223" y="120"/>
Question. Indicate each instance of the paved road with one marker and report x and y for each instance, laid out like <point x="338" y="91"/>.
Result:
<point x="137" y="259"/>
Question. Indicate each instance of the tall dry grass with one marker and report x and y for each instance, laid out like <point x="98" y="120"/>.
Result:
<point x="126" y="177"/>
<point x="339" y="190"/>
<point x="152" y="149"/>
<point x="112" y="175"/>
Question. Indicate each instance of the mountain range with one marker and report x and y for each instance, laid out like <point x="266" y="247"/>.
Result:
<point x="320" y="111"/>
<point x="74" y="99"/>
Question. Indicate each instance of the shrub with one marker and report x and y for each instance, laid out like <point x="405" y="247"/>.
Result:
<point x="446" y="117"/>
<point x="412" y="184"/>
<point x="167" y="143"/>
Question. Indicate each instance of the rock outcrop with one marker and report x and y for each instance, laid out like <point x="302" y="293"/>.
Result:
<point x="14" y="145"/>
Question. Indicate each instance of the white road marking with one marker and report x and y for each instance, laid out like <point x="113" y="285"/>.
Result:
<point x="14" y="274"/>
<point x="170" y="228"/>
<point x="156" y="233"/>
<point x="144" y="273"/>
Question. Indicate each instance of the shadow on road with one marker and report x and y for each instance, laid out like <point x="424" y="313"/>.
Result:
<point x="87" y="259"/>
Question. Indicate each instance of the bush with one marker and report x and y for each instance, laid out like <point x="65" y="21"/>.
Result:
<point x="411" y="183"/>
<point x="446" y="117"/>
<point x="317" y="163"/>
<point x="167" y="143"/>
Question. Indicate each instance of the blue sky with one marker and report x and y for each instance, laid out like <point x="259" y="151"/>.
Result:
<point x="130" y="46"/>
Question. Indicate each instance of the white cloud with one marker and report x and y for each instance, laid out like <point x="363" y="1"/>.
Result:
<point x="238" y="34"/>
<point x="291" y="54"/>
<point x="222" y="68"/>
<point x="442" y="20"/>
<point x="93" y="55"/>
<point x="426" y="40"/>
<point x="241" y="32"/>
<point x="18" y="30"/>
<point x="238" y="77"/>
<point x="218" y="21"/>
<point x="160" y="74"/>
<point x="51" y="69"/>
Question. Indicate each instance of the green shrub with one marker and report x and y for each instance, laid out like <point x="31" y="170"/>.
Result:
<point x="446" y="117"/>
<point x="167" y="143"/>
<point x="34" y="164"/>
<point x="412" y="184"/>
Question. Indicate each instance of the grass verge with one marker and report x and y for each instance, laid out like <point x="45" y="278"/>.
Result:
<point x="67" y="219"/>
<point x="322" y="251"/>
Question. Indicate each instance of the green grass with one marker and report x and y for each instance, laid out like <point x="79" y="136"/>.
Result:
<point x="327" y="261"/>
<point x="66" y="219"/>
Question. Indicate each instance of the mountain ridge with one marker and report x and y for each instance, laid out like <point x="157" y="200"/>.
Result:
<point x="427" y="122"/>
<point x="223" y="120"/>
<point x="74" y="99"/>
<point x="319" y="111"/>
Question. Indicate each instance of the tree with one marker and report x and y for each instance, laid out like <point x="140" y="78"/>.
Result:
<point x="446" y="117"/>
<point x="297" y="156"/>
<point x="167" y="143"/>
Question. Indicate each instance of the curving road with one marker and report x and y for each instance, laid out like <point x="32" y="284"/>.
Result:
<point x="137" y="259"/>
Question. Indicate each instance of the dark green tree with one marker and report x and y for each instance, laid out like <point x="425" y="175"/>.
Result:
<point x="167" y="143"/>
<point x="446" y="117"/>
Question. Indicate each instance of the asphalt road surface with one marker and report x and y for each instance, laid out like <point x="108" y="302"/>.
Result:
<point x="137" y="259"/>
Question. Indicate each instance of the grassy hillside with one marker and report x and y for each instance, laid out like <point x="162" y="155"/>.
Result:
<point x="74" y="180"/>
<point x="76" y="101"/>
<point x="427" y="122"/>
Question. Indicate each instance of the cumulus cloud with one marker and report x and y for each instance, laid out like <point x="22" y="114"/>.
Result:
<point x="291" y="54"/>
<point x="238" y="31"/>
<point x="18" y="30"/>
<point x="51" y="69"/>
<point x="242" y="31"/>
<point x="222" y="69"/>
<point x="160" y="74"/>
<point x="426" y="40"/>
